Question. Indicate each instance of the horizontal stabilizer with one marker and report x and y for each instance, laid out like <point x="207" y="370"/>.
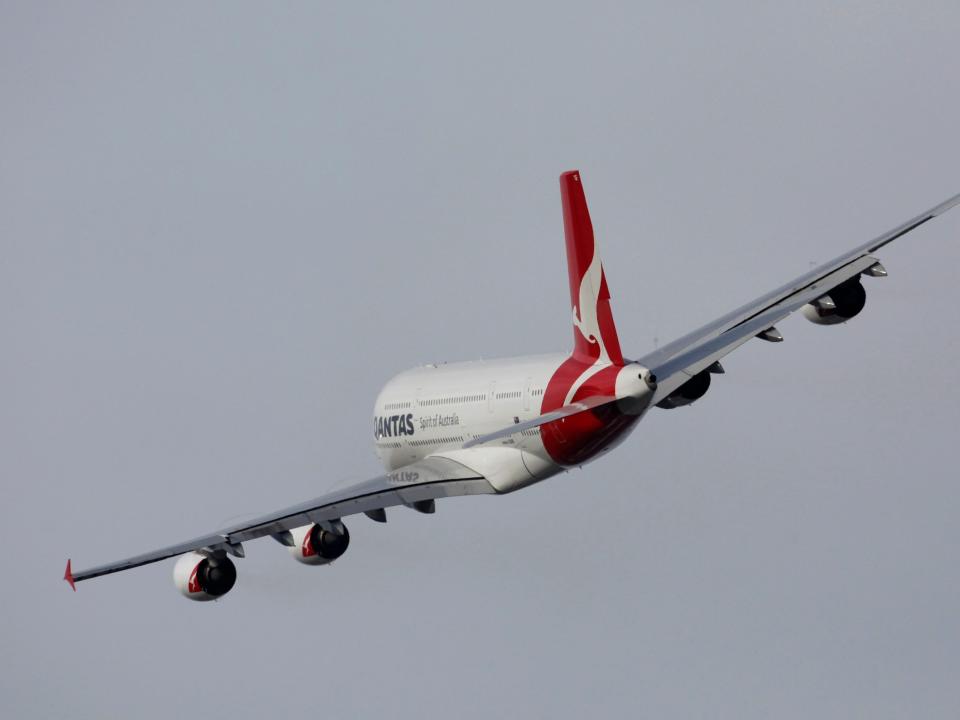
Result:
<point x="590" y="403"/>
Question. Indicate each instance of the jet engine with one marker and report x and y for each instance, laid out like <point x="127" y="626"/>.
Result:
<point x="839" y="305"/>
<point x="693" y="389"/>
<point x="201" y="577"/>
<point x="313" y="545"/>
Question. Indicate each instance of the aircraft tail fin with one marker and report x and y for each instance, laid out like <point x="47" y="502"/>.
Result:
<point x="594" y="333"/>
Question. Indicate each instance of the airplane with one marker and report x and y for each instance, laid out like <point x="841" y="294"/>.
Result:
<point x="492" y="427"/>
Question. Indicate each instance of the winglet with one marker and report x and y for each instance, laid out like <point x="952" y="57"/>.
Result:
<point x="68" y="576"/>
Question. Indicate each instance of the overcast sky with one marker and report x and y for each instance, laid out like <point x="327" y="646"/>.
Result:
<point x="224" y="226"/>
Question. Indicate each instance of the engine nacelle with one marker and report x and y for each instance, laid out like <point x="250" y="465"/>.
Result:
<point x="202" y="578"/>
<point x="312" y="545"/>
<point x="693" y="389"/>
<point x="846" y="301"/>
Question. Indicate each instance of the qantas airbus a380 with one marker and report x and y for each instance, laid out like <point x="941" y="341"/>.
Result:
<point x="492" y="427"/>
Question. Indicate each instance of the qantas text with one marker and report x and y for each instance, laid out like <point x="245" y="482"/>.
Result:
<point x="393" y="425"/>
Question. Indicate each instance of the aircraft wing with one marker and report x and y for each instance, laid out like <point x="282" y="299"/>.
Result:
<point x="419" y="482"/>
<point x="677" y="362"/>
<point x="428" y="479"/>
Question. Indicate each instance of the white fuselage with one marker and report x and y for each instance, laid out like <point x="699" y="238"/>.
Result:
<point x="434" y="409"/>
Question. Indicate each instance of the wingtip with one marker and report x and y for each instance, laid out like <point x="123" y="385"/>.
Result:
<point x="68" y="576"/>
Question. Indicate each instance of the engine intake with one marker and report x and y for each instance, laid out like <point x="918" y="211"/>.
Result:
<point x="693" y="389"/>
<point x="845" y="301"/>
<point x="201" y="577"/>
<point x="312" y="545"/>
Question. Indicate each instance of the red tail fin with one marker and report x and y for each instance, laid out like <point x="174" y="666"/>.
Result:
<point x="594" y="334"/>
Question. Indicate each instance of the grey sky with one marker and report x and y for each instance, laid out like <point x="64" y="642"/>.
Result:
<point x="223" y="226"/>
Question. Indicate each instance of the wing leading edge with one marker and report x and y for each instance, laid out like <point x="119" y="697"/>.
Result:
<point x="428" y="479"/>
